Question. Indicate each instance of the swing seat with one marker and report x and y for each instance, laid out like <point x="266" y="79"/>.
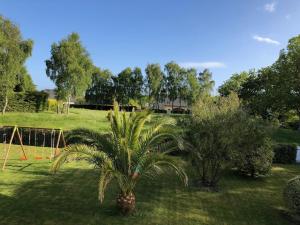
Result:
<point x="23" y="158"/>
<point x="38" y="157"/>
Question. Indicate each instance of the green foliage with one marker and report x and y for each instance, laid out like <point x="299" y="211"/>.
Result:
<point x="128" y="85"/>
<point x="128" y="152"/>
<point x="256" y="159"/>
<point x="291" y="195"/>
<point x="155" y="82"/>
<point x="69" y="67"/>
<point x="174" y="76"/>
<point x="212" y="135"/>
<point x="206" y="82"/>
<point x="193" y="86"/>
<point x="233" y="84"/>
<point x="134" y="103"/>
<point x="254" y="150"/>
<point x="285" y="153"/>
<point x="24" y="82"/>
<point x="52" y="105"/>
<point x="274" y="90"/>
<point x="101" y="90"/>
<point x="14" y="52"/>
<point x="27" y="102"/>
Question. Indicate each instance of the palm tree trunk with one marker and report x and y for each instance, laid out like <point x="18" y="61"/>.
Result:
<point x="126" y="203"/>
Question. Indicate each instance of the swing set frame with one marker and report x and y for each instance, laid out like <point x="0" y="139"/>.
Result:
<point x="16" y="132"/>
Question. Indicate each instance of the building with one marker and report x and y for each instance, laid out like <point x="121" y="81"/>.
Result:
<point x="166" y="105"/>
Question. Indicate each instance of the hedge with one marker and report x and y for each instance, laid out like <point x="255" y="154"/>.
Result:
<point x="26" y="102"/>
<point x="101" y="107"/>
<point x="291" y="195"/>
<point x="285" y="153"/>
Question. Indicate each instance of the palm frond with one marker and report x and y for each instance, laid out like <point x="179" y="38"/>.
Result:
<point x="157" y="162"/>
<point x="77" y="150"/>
<point x="138" y="123"/>
<point x="90" y="137"/>
<point x="160" y="134"/>
<point x="105" y="177"/>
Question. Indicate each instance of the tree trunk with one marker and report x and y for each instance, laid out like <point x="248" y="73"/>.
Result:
<point x="126" y="203"/>
<point x="180" y="102"/>
<point x="5" y="105"/>
<point x="68" y="105"/>
<point x="57" y="107"/>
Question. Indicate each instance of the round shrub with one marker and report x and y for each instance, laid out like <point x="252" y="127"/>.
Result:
<point x="291" y="195"/>
<point x="257" y="159"/>
<point x="254" y="150"/>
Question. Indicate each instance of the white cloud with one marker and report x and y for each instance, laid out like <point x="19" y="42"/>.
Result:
<point x="270" y="7"/>
<point x="265" y="40"/>
<point x="207" y="65"/>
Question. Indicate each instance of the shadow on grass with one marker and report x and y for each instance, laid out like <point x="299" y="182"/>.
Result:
<point x="71" y="197"/>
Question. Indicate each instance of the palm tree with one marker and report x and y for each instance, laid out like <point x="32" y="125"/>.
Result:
<point x="128" y="152"/>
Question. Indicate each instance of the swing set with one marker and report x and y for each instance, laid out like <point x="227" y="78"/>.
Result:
<point x="32" y="136"/>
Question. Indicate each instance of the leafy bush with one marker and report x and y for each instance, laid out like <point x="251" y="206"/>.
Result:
<point x="291" y="195"/>
<point x="27" y="102"/>
<point x="211" y="136"/>
<point x="254" y="152"/>
<point x="52" y="105"/>
<point x="285" y="153"/>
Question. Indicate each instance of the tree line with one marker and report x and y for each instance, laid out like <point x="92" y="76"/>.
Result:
<point x="75" y="76"/>
<point x="272" y="91"/>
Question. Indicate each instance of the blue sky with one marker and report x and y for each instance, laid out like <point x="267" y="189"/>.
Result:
<point x="227" y="36"/>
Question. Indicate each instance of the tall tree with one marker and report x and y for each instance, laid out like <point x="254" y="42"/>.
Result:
<point x="101" y="89"/>
<point x="193" y="89"/>
<point x="24" y="81"/>
<point x="137" y="84"/>
<point x="14" y="51"/>
<point x="122" y="85"/>
<point x="206" y="82"/>
<point x="233" y="84"/>
<point x="70" y="68"/>
<point x="173" y="80"/>
<point x="155" y="78"/>
<point x="288" y="66"/>
<point x="275" y="90"/>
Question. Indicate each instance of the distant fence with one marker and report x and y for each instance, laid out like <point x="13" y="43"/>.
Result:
<point x="126" y="108"/>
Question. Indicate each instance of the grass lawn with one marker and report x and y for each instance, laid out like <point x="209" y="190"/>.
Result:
<point x="78" y="118"/>
<point x="96" y="120"/>
<point x="287" y="136"/>
<point x="30" y="195"/>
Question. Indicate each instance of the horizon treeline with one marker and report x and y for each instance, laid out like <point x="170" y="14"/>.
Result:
<point x="271" y="91"/>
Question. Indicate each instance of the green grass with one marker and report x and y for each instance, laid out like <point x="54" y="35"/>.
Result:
<point x="78" y="118"/>
<point x="287" y="136"/>
<point x="96" y="120"/>
<point x="30" y="195"/>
